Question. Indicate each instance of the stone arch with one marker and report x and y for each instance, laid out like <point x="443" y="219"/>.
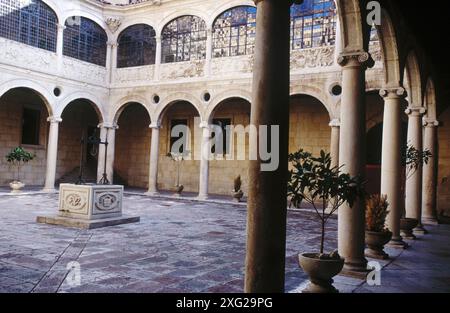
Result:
<point x="40" y="90"/>
<point x="413" y="78"/>
<point x="353" y="30"/>
<point x="52" y="4"/>
<point x="315" y="93"/>
<point x="93" y="100"/>
<point x="220" y="98"/>
<point x="389" y="49"/>
<point x="173" y="16"/>
<point x="162" y="108"/>
<point x="97" y="19"/>
<point x="121" y="105"/>
<point x="132" y="22"/>
<point x="224" y="7"/>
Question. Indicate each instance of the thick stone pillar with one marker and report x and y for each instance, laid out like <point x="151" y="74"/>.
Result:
<point x="391" y="164"/>
<point x="154" y="159"/>
<point x="334" y="147"/>
<point x="352" y="156"/>
<point x="107" y="131"/>
<point x="158" y="57"/>
<point x="429" y="187"/>
<point x="52" y="154"/>
<point x="413" y="202"/>
<point x="267" y="196"/>
<point x="204" y="161"/>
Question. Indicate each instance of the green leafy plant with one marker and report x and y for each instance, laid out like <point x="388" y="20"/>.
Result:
<point x="237" y="184"/>
<point x="178" y="158"/>
<point x="18" y="157"/>
<point x="316" y="182"/>
<point x="376" y="213"/>
<point x="413" y="159"/>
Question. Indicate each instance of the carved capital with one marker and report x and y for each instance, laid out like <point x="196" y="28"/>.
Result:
<point x="204" y="125"/>
<point x="155" y="125"/>
<point x="430" y="123"/>
<point x="393" y="92"/>
<point x="61" y="27"/>
<point x="415" y="111"/>
<point x="113" y="23"/>
<point x="112" y="126"/>
<point x="356" y="58"/>
<point x="112" y="44"/>
<point x="54" y="119"/>
<point x="335" y="123"/>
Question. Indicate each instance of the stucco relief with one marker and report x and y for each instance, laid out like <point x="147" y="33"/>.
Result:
<point x="310" y="58"/>
<point x="232" y="65"/>
<point x="17" y="54"/>
<point x="182" y="70"/>
<point x="134" y="74"/>
<point x="78" y="70"/>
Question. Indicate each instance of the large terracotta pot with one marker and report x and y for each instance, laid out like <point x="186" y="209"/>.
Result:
<point x="16" y="186"/>
<point x="320" y="272"/>
<point x="406" y="227"/>
<point x="375" y="242"/>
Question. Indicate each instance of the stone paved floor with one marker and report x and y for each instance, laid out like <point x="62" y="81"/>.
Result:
<point x="180" y="246"/>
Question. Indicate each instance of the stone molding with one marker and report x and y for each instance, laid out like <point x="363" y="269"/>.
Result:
<point x="335" y="123"/>
<point x="393" y="92"/>
<point x="415" y="111"/>
<point x="53" y="120"/>
<point x="362" y="57"/>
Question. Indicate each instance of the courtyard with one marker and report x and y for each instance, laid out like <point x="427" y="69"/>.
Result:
<point x="182" y="245"/>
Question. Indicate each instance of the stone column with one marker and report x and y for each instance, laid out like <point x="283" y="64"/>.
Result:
<point x="391" y="164"/>
<point x="209" y="43"/>
<point x="429" y="187"/>
<point x="267" y="200"/>
<point x="52" y="154"/>
<point x="107" y="131"/>
<point x="204" y="161"/>
<point x="413" y="201"/>
<point x="352" y="156"/>
<point x="60" y="46"/>
<point x="158" y="57"/>
<point x="154" y="159"/>
<point x="334" y="147"/>
<point x="111" y="61"/>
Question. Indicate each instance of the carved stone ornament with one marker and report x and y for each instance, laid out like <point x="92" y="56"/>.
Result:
<point x="362" y="57"/>
<point x="113" y="23"/>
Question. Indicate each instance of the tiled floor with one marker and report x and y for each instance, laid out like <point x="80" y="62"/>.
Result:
<point x="180" y="246"/>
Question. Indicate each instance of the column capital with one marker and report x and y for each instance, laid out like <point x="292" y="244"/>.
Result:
<point x="158" y="39"/>
<point x="415" y="111"/>
<point x="429" y="122"/>
<point x="61" y="27"/>
<point x="54" y="119"/>
<point x="355" y="58"/>
<point x="393" y="92"/>
<point x="112" y="44"/>
<point x="204" y="125"/>
<point x="108" y="126"/>
<point x="155" y="126"/>
<point x="335" y="123"/>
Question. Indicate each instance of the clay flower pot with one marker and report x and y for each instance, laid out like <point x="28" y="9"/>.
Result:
<point x="16" y="186"/>
<point x="237" y="195"/>
<point x="375" y="242"/>
<point x="406" y="227"/>
<point x="320" y="272"/>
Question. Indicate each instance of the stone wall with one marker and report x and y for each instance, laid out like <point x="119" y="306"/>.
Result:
<point x="11" y="109"/>
<point x="133" y="140"/>
<point x="444" y="164"/>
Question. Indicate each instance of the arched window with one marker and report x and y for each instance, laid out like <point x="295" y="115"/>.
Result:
<point x="30" y="22"/>
<point x="85" y="40"/>
<point x="234" y="32"/>
<point x="313" y="24"/>
<point x="137" y="46"/>
<point x="184" y="39"/>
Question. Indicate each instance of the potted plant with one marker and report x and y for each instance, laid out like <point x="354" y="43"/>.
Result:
<point x="18" y="157"/>
<point x="237" y="192"/>
<point x="413" y="159"/>
<point x="325" y="188"/>
<point x="178" y="158"/>
<point x="376" y="233"/>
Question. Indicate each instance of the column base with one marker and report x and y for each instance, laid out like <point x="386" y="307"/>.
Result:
<point x="397" y="243"/>
<point x="355" y="268"/>
<point x="152" y="193"/>
<point x="202" y="197"/>
<point x="430" y="221"/>
<point x="420" y="230"/>
<point x="49" y="190"/>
